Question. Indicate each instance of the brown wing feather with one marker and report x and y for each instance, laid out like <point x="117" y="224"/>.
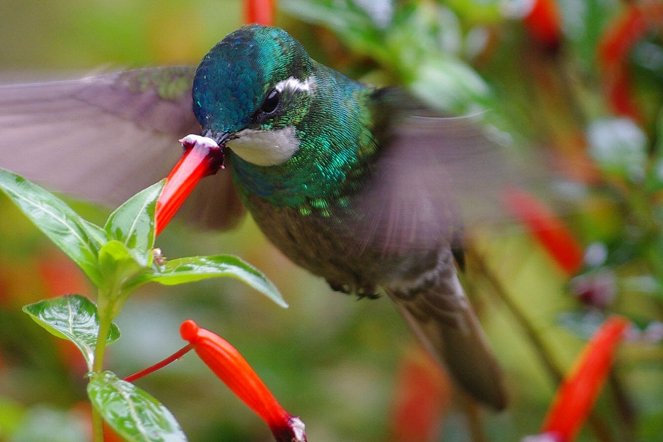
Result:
<point x="105" y="137"/>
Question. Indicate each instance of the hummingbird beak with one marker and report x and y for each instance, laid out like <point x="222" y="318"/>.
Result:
<point x="221" y="138"/>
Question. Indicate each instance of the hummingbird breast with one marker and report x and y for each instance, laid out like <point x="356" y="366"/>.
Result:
<point x="332" y="247"/>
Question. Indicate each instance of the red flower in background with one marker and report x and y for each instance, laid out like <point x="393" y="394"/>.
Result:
<point x="259" y="11"/>
<point x="543" y="23"/>
<point x="579" y="391"/>
<point x="423" y="394"/>
<point x="547" y="229"/>
<point x="615" y="45"/>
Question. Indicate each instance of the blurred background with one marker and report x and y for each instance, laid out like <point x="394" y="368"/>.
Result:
<point x="577" y="82"/>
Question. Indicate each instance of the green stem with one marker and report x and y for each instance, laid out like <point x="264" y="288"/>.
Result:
<point x="105" y="310"/>
<point x="97" y="426"/>
<point x="598" y="426"/>
<point x="624" y="404"/>
<point x="538" y="344"/>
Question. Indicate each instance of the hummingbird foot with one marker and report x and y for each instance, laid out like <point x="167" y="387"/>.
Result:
<point x="192" y="141"/>
<point x="366" y="293"/>
<point x="361" y="292"/>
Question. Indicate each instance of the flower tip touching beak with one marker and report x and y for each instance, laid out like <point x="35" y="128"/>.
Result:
<point x="202" y="157"/>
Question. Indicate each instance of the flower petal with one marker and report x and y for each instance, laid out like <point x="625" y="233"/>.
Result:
<point x="231" y="367"/>
<point x="548" y="229"/>
<point x="579" y="391"/>
<point x="202" y="157"/>
<point x="259" y="11"/>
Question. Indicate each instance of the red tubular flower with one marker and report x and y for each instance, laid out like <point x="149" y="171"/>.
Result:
<point x="547" y="228"/>
<point x="614" y="48"/>
<point x="259" y="11"/>
<point x="229" y="366"/>
<point x="200" y="159"/>
<point x="543" y="23"/>
<point x="579" y="391"/>
<point x="422" y="397"/>
<point x="613" y="53"/>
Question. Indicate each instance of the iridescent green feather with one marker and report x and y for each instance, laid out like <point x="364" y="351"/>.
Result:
<point x="330" y="163"/>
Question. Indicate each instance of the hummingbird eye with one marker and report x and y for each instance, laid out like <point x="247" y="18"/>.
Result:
<point x="271" y="102"/>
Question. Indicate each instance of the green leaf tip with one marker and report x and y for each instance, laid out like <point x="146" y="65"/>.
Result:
<point x="133" y="222"/>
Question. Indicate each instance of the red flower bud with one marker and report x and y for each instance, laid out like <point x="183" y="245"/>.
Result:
<point x="614" y="47"/>
<point x="229" y="366"/>
<point x="547" y="228"/>
<point x="423" y="396"/>
<point x="579" y="391"/>
<point x="613" y="53"/>
<point x="259" y="11"/>
<point x="543" y="23"/>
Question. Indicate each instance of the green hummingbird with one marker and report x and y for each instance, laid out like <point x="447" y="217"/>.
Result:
<point x="352" y="182"/>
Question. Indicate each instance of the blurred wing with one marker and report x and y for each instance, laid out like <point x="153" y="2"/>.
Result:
<point x="434" y="176"/>
<point x="105" y="137"/>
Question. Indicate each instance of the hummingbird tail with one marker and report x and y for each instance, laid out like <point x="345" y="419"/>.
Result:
<point x="442" y="318"/>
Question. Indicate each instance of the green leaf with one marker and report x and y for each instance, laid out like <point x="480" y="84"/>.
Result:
<point x="356" y="26"/>
<point x="71" y="233"/>
<point x="449" y="85"/>
<point x="133" y="413"/>
<point x="96" y="234"/>
<point x="197" y="268"/>
<point x="72" y="317"/>
<point x="118" y="265"/>
<point x="133" y="222"/>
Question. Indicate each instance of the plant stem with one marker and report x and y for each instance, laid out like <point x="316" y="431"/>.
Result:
<point x="598" y="426"/>
<point x="624" y="407"/>
<point x="159" y="365"/>
<point x="537" y="343"/>
<point x="97" y="426"/>
<point x="473" y="417"/>
<point x="105" y="311"/>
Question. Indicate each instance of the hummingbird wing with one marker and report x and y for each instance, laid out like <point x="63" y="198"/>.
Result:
<point x="434" y="176"/>
<point x="442" y="318"/>
<point x="104" y="137"/>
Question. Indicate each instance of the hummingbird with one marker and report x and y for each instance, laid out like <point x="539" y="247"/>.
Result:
<point x="360" y="185"/>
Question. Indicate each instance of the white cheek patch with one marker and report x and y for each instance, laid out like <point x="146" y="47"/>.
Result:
<point x="295" y="85"/>
<point x="265" y="148"/>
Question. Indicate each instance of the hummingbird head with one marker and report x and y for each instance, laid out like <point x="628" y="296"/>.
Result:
<point x="251" y="92"/>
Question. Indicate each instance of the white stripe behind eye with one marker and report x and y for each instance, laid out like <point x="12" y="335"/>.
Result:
<point x="295" y="84"/>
